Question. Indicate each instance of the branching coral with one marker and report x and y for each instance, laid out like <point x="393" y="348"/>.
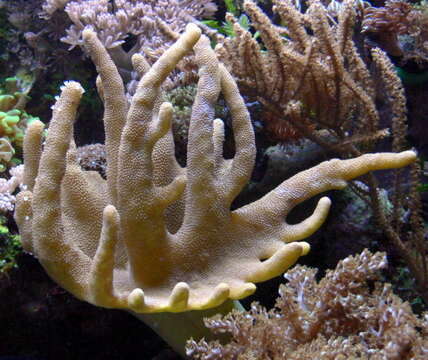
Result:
<point x="308" y="74"/>
<point x="313" y="78"/>
<point x="115" y="22"/>
<point x="155" y="237"/>
<point x="151" y="25"/>
<point x="400" y="28"/>
<point x="339" y="317"/>
<point x="393" y="17"/>
<point x="50" y="6"/>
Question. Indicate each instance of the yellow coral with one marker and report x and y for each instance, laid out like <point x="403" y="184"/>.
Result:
<point x="156" y="237"/>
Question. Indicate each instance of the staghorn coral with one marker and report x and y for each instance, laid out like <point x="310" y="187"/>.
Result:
<point x="155" y="237"/>
<point x="339" y="317"/>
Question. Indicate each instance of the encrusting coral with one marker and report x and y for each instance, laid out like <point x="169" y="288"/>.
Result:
<point x="155" y="237"/>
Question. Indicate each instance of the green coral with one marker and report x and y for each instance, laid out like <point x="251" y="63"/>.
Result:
<point x="13" y="119"/>
<point x="14" y="91"/>
<point x="13" y="124"/>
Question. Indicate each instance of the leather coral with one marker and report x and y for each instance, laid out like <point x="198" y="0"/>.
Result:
<point x="156" y="237"/>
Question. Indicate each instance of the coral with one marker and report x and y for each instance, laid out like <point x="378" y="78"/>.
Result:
<point x="21" y="16"/>
<point x="399" y="28"/>
<point x="155" y="237"/>
<point x="146" y="27"/>
<point x="50" y="6"/>
<point x="341" y="316"/>
<point x="93" y="157"/>
<point x="6" y="153"/>
<point x="8" y="187"/>
<point x="181" y="99"/>
<point x="137" y="165"/>
<point x="33" y="43"/>
<point x="139" y="18"/>
<point x="393" y="17"/>
<point x="411" y="245"/>
<point x="13" y="119"/>
<point x="308" y="74"/>
<point x="12" y="125"/>
<point x="14" y="91"/>
<point x="311" y="74"/>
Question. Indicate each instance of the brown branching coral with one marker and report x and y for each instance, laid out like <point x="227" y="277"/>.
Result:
<point x="305" y="78"/>
<point x="387" y="23"/>
<point x="392" y="17"/>
<point x="339" y="317"/>
<point x="399" y="28"/>
<point x="310" y="75"/>
<point x="411" y="244"/>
